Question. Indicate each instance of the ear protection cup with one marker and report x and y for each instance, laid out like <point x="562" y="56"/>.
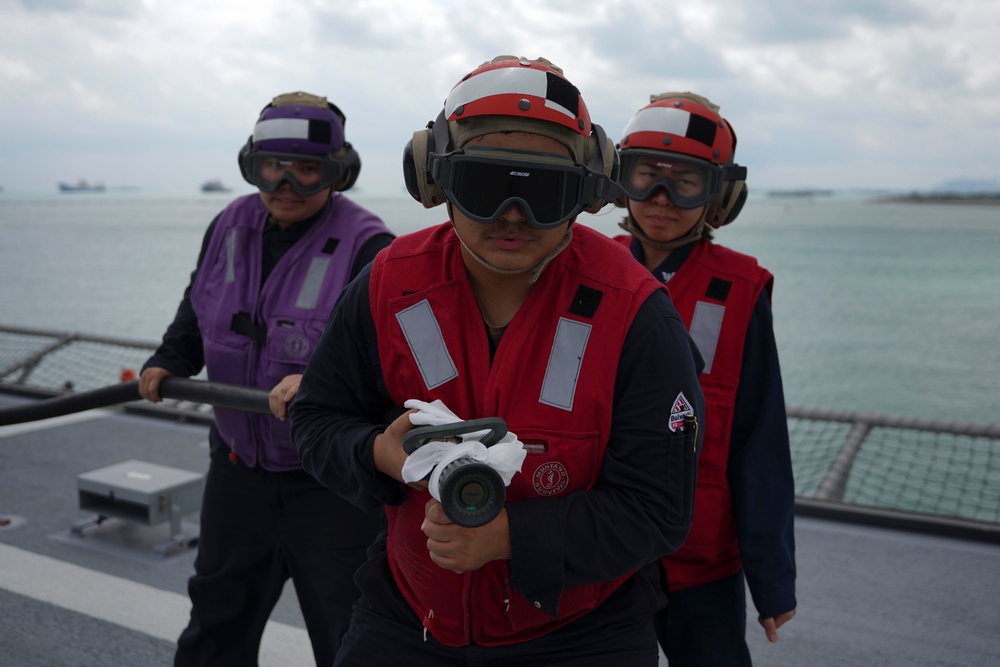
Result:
<point x="725" y="209"/>
<point x="350" y="159"/>
<point x="621" y="201"/>
<point x="410" y="176"/>
<point x="737" y="205"/>
<point x="419" y="183"/>
<point x="734" y="193"/>
<point x="242" y="158"/>
<point x="352" y="168"/>
<point x="614" y="169"/>
<point x="610" y="167"/>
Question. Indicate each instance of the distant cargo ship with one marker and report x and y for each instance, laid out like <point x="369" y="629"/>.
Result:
<point x="81" y="186"/>
<point x="214" y="185"/>
<point x="804" y="192"/>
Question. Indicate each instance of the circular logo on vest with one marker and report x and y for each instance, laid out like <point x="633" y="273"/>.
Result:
<point x="296" y="346"/>
<point x="550" y="479"/>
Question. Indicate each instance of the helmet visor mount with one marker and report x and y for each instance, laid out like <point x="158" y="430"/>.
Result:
<point x="688" y="182"/>
<point x="549" y="189"/>
<point x="305" y="174"/>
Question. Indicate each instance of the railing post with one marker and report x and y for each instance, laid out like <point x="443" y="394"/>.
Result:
<point x="835" y="481"/>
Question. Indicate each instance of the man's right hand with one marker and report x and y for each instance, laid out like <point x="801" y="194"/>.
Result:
<point x="389" y="453"/>
<point x="149" y="383"/>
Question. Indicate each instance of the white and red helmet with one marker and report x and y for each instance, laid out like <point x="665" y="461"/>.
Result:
<point x="679" y="144"/>
<point x="519" y="88"/>
<point x="511" y="94"/>
<point x="680" y="123"/>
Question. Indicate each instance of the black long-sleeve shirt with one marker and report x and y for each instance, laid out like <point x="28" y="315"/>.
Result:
<point x="759" y="469"/>
<point x="557" y="543"/>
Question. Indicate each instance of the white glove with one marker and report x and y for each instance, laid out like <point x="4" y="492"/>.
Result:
<point x="430" y="414"/>
<point x="505" y="457"/>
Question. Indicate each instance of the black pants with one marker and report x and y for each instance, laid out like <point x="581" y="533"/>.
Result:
<point x="705" y="626"/>
<point x="386" y="631"/>
<point x="258" y="529"/>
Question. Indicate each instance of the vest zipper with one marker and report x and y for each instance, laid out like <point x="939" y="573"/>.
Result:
<point x="429" y="622"/>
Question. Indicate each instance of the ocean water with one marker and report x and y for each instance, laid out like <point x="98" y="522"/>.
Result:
<point x="884" y="307"/>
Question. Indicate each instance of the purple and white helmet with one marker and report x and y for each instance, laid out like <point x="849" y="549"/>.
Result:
<point x="299" y="133"/>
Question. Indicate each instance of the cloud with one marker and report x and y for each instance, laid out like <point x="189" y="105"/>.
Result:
<point x="891" y="93"/>
<point x="16" y="70"/>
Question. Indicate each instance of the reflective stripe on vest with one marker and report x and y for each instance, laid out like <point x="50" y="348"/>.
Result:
<point x="563" y="370"/>
<point x="706" y="324"/>
<point x="313" y="283"/>
<point x="231" y="257"/>
<point x="423" y="335"/>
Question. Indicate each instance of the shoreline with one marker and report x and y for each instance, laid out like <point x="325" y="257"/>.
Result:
<point x="985" y="200"/>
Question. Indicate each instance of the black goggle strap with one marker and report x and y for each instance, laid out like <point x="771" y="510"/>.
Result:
<point x="441" y="169"/>
<point x="734" y="172"/>
<point x="439" y="131"/>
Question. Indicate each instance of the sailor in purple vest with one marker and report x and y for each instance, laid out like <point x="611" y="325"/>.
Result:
<point x="681" y="182"/>
<point x="271" y="267"/>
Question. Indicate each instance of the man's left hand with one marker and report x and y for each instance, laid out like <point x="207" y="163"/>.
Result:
<point x="460" y="549"/>
<point x="771" y="625"/>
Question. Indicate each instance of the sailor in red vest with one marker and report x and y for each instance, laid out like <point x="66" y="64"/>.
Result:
<point x="510" y="310"/>
<point x="680" y="183"/>
<point x="272" y="265"/>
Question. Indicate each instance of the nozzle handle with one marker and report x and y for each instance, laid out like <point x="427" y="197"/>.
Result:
<point x="421" y="435"/>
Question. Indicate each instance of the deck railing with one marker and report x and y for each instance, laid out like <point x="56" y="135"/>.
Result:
<point x="936" y="476"/>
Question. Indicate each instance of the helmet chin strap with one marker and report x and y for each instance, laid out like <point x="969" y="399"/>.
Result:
<point x="535" y="269"/>
<point x="629" y="225"/>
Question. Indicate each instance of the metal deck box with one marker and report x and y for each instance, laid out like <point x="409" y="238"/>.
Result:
<point x="143" y="492"/>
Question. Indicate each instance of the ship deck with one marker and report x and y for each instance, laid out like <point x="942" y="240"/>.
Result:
<point x="897" y="528"/>
<point x="868" y="594"/>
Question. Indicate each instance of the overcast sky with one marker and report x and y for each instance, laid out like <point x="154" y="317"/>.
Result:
<point x="897" y="94"/>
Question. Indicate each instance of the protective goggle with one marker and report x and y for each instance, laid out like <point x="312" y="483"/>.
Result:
<point x="306" y="175"/>
<point x="689" y="182"/>
<point x="549" y="189"/>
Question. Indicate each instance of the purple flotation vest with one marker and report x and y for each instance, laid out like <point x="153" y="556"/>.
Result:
<point x="257" y="334"/>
